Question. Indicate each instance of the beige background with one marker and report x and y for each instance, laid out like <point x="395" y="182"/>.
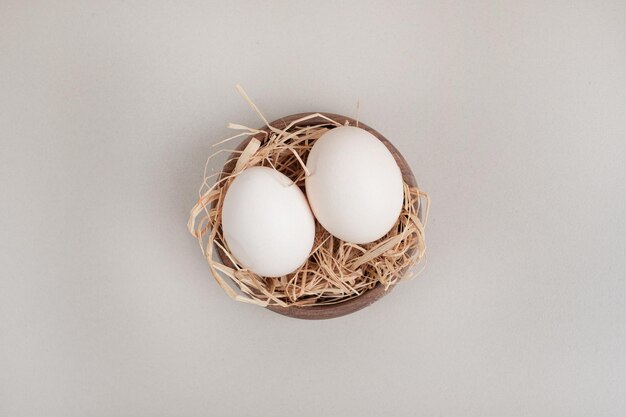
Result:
<point x="512" y="114"/>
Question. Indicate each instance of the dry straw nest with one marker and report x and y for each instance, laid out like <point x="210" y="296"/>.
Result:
<point x="338" y="277"/>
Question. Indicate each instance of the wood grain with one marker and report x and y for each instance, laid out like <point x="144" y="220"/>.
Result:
<point x="368" y="297"/>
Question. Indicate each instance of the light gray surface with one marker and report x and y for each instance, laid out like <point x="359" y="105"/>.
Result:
<point x="512" y="115"/>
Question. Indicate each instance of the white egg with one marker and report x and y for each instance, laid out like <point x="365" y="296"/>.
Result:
<point x="267" y="223"/>
<point x="355" y="187"/>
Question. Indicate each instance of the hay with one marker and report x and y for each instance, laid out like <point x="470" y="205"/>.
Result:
<point x="335" y="270"/>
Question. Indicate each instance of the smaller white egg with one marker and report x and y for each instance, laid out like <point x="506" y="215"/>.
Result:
<point x="267" y="223"/>
<point x="355" y="186"/>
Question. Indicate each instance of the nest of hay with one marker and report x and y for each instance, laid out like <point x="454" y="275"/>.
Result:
<point x="336" y="271"/>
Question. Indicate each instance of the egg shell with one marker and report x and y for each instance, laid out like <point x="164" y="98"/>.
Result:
<point x="267" y="222"/>
<point x="355" y="186"/>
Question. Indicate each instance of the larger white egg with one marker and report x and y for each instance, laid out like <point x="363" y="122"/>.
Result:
<point x="355" y="186"/>
<point x="267" y="223"/>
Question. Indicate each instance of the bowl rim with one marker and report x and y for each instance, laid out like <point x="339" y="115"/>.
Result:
<point x="328" y="311"/>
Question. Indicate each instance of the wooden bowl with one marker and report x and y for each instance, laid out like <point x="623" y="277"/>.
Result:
<point x="368" y="297"/>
